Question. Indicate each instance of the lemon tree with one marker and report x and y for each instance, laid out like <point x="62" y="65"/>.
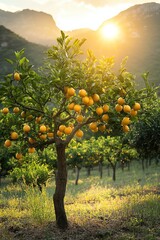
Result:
<point x="70" y="95"/>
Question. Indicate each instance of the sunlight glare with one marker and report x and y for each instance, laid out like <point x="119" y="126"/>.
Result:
<point x="110" y="31"/>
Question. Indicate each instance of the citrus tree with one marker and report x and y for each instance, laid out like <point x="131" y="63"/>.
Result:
<point x="70" y="94"/>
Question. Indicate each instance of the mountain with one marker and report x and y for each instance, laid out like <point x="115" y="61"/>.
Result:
<point x="139" y="40"/>
<point x="37" y="27"/>
<point x="11" y="42"/>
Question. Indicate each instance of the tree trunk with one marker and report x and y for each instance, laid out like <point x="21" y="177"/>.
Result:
<point x="101" y="169"/>
<point x="77" y="174"/>
<point x="61" y="182"/>
<point x="114" y="172"/>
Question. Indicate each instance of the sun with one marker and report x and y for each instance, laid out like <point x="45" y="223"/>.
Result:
<point x="110" y="31"/>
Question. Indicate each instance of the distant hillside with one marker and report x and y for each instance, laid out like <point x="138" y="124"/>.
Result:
<point x="139" y="40"/>
<point x="11" y="42"/>
<point x="37" y="27"/>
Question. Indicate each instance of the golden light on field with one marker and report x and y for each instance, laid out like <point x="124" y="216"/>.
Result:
<point x="110" y="31"/>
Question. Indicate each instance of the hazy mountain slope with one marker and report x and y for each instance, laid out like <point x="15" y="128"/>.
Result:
<point x="139" y="40"/>
<point x="34" y="26"/>
<point x="11" y="42"/>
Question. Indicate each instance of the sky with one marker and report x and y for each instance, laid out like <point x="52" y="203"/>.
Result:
<point x="74" y="14"/>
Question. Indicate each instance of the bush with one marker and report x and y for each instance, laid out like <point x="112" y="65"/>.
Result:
<point x="31" y="172"/>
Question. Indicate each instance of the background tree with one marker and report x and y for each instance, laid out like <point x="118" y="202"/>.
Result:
<point x="60" y="101"/>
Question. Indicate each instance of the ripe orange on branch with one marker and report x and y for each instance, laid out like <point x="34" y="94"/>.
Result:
<point x="71" y="106"/>
<point x="70" y="91"/>
<point x="7" y="143"/>
<point x="125" y="128"/>
<point x="14" y="135"/>
<point x="79" y="118"/>
<point x="137" y="106"/>
<point x="121" y="101"/>
<point x="105" y="118"/>
<point x="125" y="121"/>
<point x="68" y="130"/>
<point x="85" y="100"/>
<point x="17" y="76"/>
<point x="118" y="107"/>
<point x="105" y="108"/>
<point x="26" y="128"/>
<point x="61" y="128"/>
<point x="82" y="93"/>
<point x="43" y="129"/>
<point x="16" y="109"/>
<point x="126" y="108"/>
<point x="77" y="108"/>
<point x="5" y="110"/>
<point x="31" y="150"/>
<point x="99" y="110"/>
<point x="19" y="156"/>
<point x="96" y="97"/>
<point x="93" y="125"/>
<point x="79" y="133"/>
<point x="133" y="112"/>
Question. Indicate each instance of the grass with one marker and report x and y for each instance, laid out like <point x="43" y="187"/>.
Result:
<point x="96" y="209"/>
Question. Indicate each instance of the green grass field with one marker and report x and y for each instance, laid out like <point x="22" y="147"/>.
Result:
<point x="128" y="209"/>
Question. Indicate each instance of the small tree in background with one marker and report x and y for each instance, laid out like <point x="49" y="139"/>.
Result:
<point x="64" y="99"/>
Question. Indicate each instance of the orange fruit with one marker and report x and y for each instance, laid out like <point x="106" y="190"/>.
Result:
<point x="7" y="143"/>
<point x="23" y="114"/>
<point x="5" y="110"/>
<point x="38" y="119"/>
<point x="68" y="130"/>
<point x="118" y="107"/>
<point x="93" y="125"/>
<point x="105" y="108"/>
<point x="79" y="133"/>
<point x="99" y="110"/>
<point x="19" y="156"/>
<point x="59" y="133"/>
<point x="71" y="106"/>
<point x="16" y="109"/>
<point x="31" y="140"/>
<point x="26" y="128"/>
<point x="125" y="128"/>
<point x="133" y="112"/>
<point x="82" y="93"/>
<point x="105" y="118"/>
<point x="85" y="100"/>
<point x="125" y="121"/>
<point x="17" y="76"/>
<point x="31" y="150"/>
<point x="96" y="97"/>
<point x="77" y="108"/>
<point x="79" y="118"/>
<point x="137" y="106"/>
<point x="14" y="135"/>
<point x="61" y="128"/>
<point x="70" y="91"/>
<point x="43" y="129"/>
<point x="102" y="128"/>
<point x="91" y="102"/>
<point x="30" y="117"/>
<point x="121" y="101"/>
<point x="43" y="136"/>
<point x="126" y="108"/>
<point x="95" y="130"/>
<point x="50" y="134"/>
